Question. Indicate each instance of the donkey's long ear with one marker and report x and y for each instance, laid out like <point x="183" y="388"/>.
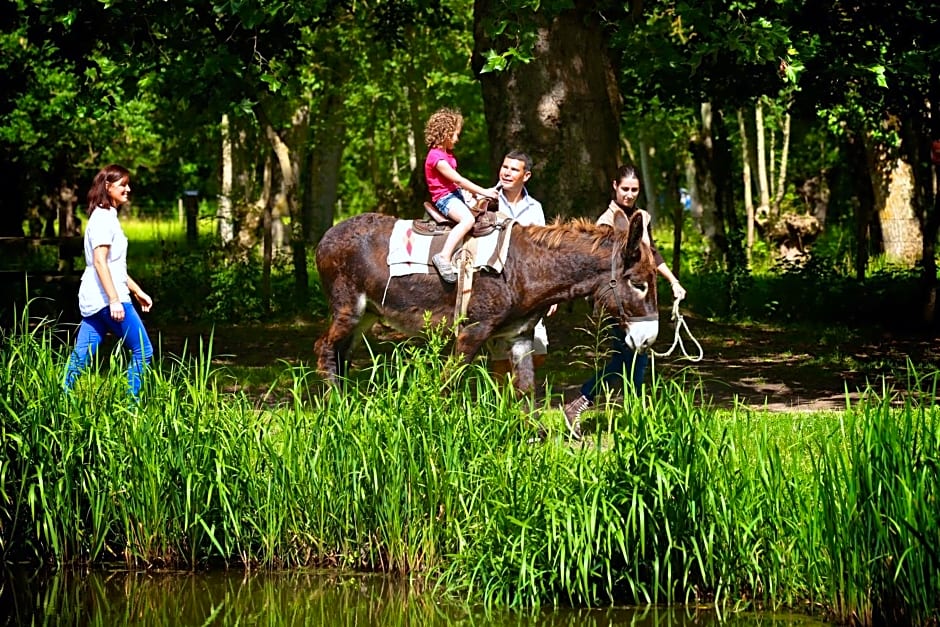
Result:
<point x="637" y="226"/>
<point x="621" y="221"/>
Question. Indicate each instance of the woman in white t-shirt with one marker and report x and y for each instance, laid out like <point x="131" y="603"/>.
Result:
<point x="104" y="296"/>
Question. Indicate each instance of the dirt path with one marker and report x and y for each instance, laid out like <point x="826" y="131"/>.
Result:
<point x="784" y="369"/>
<point x="756" y="365"/>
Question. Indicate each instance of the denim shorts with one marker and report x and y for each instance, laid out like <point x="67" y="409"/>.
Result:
<point x="444" y="203"/>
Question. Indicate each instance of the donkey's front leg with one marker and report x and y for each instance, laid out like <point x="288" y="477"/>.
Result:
<point x="470" y="339"/>
<point x="523" y="368"/>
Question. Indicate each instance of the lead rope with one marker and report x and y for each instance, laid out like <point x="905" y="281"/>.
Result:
<point x="677" y="340"/>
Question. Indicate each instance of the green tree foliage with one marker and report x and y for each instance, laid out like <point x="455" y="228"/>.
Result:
<point x="44" y="59"/>
<point x="678" y="54"/>
<point x="146" y="83"/>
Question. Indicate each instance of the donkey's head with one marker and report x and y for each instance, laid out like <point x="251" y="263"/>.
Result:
<point x="630" y="294"/>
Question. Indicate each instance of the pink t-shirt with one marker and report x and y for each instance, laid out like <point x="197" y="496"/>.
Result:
<point x="437" y="184"/>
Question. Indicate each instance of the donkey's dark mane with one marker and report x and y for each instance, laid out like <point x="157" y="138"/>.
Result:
<point x="553" y="235"/>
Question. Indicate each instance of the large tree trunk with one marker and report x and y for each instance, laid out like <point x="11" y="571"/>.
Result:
<point x="928" y="184"/>
<point x="413" y="130"/>
<point x="920" y="134"/>
<point x="894" y="189"/>
<point x="563" y="107"/>
<point x="324" y="166"/>
<point x="711" y="152"/>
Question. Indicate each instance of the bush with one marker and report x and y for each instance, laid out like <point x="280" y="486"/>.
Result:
<point x="209" y="284"/>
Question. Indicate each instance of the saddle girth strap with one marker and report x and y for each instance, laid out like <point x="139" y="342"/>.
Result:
<point x="463" y="261"/>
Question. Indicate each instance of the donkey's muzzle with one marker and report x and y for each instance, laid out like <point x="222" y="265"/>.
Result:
<point x="641" y="333"/>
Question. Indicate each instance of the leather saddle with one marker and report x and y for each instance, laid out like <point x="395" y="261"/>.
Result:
<point x="484" y="213"/>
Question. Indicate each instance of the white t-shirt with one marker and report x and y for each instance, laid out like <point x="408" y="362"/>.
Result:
<point x="103" y="229"/>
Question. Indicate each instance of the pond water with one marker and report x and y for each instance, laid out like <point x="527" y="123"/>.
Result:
<point x="294" y="598"/>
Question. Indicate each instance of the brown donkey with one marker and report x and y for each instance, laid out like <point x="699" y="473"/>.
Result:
<point x="545" y="265"/>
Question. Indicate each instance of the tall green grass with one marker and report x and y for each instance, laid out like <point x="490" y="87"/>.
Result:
<point x="672" y="501"/>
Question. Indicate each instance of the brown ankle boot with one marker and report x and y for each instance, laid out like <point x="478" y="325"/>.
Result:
<point x="573" y="411"/>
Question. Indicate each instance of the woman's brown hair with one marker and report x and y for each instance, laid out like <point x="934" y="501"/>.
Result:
<point x="98" y="194"/>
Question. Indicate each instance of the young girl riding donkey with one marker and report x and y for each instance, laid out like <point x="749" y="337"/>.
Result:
<point x="444" y="183"/>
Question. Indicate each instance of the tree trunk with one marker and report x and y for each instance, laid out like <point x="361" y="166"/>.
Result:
<point x="412" y="131"/>
<point x="746" y="173"/>
<point x="563" y="107"/>
<point x="12" y="200"/>
<point x="894" y="189"/>
<point x="865" y="207"/>
<point x="723" y="175"/>
<point x="929" y="182"/>
<point x="701" y="148"/>
<point x="267" y="254"/>
<point x="224" y="214"/>
<point x="69" y="223"/>
<point x="251" y="216"/>
<point x="69" y="226"/>
<point x="649" y="181"/>
<point x="289" y="164"/>
<point x="920" y="134"/>
<point x="678" y="217"/>
<point x="393" y="136"/>
<point x="929" y="313"/>
<point x="763" y="188"/>
<point x="900" y="228"/>
<point x="324" y="168"/>
<point x="784" y="156"/>
<point x="771" y="164"/>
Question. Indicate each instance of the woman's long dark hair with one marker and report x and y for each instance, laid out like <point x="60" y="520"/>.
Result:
<point x="98" y="194"/>
<point x="626" y="171"/>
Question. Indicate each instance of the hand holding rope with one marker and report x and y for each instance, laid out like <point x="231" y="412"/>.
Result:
<point x="679" y="321"/>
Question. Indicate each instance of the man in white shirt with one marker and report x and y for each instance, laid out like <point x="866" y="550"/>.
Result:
<point x="515" y="202"/>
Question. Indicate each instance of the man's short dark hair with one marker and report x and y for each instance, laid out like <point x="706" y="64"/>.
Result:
<point x="518" y="155"/>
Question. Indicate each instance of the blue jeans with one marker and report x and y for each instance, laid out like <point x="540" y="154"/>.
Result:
<point x="623" y="360"/>
<point x="445" y="203"/>
<point x="91" y="333"/>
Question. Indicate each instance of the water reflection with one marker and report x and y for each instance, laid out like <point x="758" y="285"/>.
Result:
<point x="278" y="599"/>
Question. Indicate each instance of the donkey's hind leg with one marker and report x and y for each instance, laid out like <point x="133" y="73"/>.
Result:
<point x="332" y="348"/>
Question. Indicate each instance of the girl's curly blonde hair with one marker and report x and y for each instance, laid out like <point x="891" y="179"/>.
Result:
<point x="441" y="126"/>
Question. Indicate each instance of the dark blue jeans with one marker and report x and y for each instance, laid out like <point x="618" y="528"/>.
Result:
<point x="132" y="333"/>
<point x="624" y="360"/>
